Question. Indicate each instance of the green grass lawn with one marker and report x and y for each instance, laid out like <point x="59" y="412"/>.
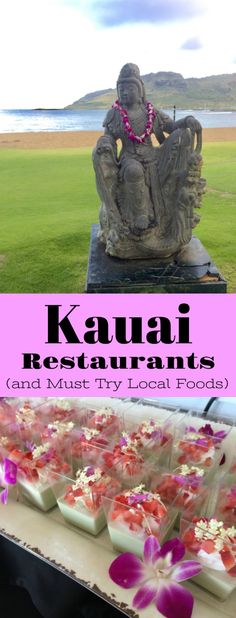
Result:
<point x="49" y="201"/>
<point x="217" y="229"/>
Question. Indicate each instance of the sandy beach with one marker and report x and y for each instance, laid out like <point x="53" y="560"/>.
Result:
<point x="82" y="139"/>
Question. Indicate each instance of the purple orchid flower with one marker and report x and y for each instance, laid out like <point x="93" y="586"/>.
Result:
<point x="207" y="429"/>
<point x="156" y="433"/>
<point x="123" y="441"/>
<point x="9" y="477"/>
<point x="90" y="471"/>
<point x="30" y="445"/>
<point x="9" y="471"/>
<point x="4" y="496"/>
<point x="191" y="429"/>
<point x="217" y="435"/>
<point x="189" y="479"/>
<point x="138" y="498"/>
<point x="158" y="576"/>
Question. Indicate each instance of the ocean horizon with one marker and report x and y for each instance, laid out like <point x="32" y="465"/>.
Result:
<point x="21" y="121"/>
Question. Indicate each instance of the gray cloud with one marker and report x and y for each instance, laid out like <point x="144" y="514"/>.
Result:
<point x="111" y="13"/>
<point x="193" y="43"/>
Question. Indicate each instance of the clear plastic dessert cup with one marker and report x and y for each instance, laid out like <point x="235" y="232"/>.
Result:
<point x="199" y="442"/>
<point x="143" y="409"/>
<point x="212" y="541"/>
<point x="28" y="422"/>
<point x="84" y="442"/>
<point x="38" y="475"/>
<point x="7" y="415"/>
<point x="180" y="487"/>
<point x="80" y="500"/>
<point x="59" y="433"/>
<point x="9" y="444"/>
<point x="60" y="409"/>
<point x="231" y="472"/>
<point x="151" y="426"/>
<point x="105" y="420"/>
<point x="135" y="514"/>
<point x="121" y="461"/>
<point x="222" y="502"/>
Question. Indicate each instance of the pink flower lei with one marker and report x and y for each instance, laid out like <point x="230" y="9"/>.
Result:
<point x="151" y="115"/>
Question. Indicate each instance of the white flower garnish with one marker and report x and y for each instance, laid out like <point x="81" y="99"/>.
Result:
<point x="59" y="428"/>
<point x="40" y="450"/>
<point x="85" y="480"/>
<point x="103" y="414"/>
<point x="193" y="435"/>
<point x="215" y="531"/>
<point x="141" y="489"/>
<point x="149" y="426"/>
<point x="25" y="415"/>
<point x="90" y="433"/>
<point x="131" y="443"/>
<point x="185" y="470"/>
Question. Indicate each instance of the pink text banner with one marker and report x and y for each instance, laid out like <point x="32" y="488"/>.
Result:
<point x="143" y="345"/>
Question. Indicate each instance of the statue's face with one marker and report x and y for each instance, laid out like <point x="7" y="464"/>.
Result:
<point x="128" y="94"/>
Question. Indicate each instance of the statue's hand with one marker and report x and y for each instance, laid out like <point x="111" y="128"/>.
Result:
<point x="193" y="124"/>
<point x="196" y="128"/>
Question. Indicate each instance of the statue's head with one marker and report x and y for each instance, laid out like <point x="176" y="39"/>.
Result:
<point x="130" y="87"/>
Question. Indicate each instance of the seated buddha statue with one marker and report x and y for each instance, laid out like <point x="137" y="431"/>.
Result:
<point x="149" y="188"/>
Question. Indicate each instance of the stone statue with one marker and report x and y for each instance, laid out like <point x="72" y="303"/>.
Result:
<point x="149" y="194"/>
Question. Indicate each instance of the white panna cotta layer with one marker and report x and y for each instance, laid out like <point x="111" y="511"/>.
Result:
<point x="218" y="583"/>
<point x="42" y="495"/>
<point x="80" y="517"/>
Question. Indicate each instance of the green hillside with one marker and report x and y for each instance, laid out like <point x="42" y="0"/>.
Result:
<point x="166" y="89"/>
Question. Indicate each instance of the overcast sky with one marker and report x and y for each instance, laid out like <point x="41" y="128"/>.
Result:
<point x="55" y="51"/>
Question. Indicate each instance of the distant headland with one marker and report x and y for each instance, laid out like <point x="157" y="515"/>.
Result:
<point x="166" y="89"/>
<point x="46" y="109"/>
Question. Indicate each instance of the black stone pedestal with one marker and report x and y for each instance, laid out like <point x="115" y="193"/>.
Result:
<point x="191" y="271"/>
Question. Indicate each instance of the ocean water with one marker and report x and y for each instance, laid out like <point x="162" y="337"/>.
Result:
<point x="20" y="120"/>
